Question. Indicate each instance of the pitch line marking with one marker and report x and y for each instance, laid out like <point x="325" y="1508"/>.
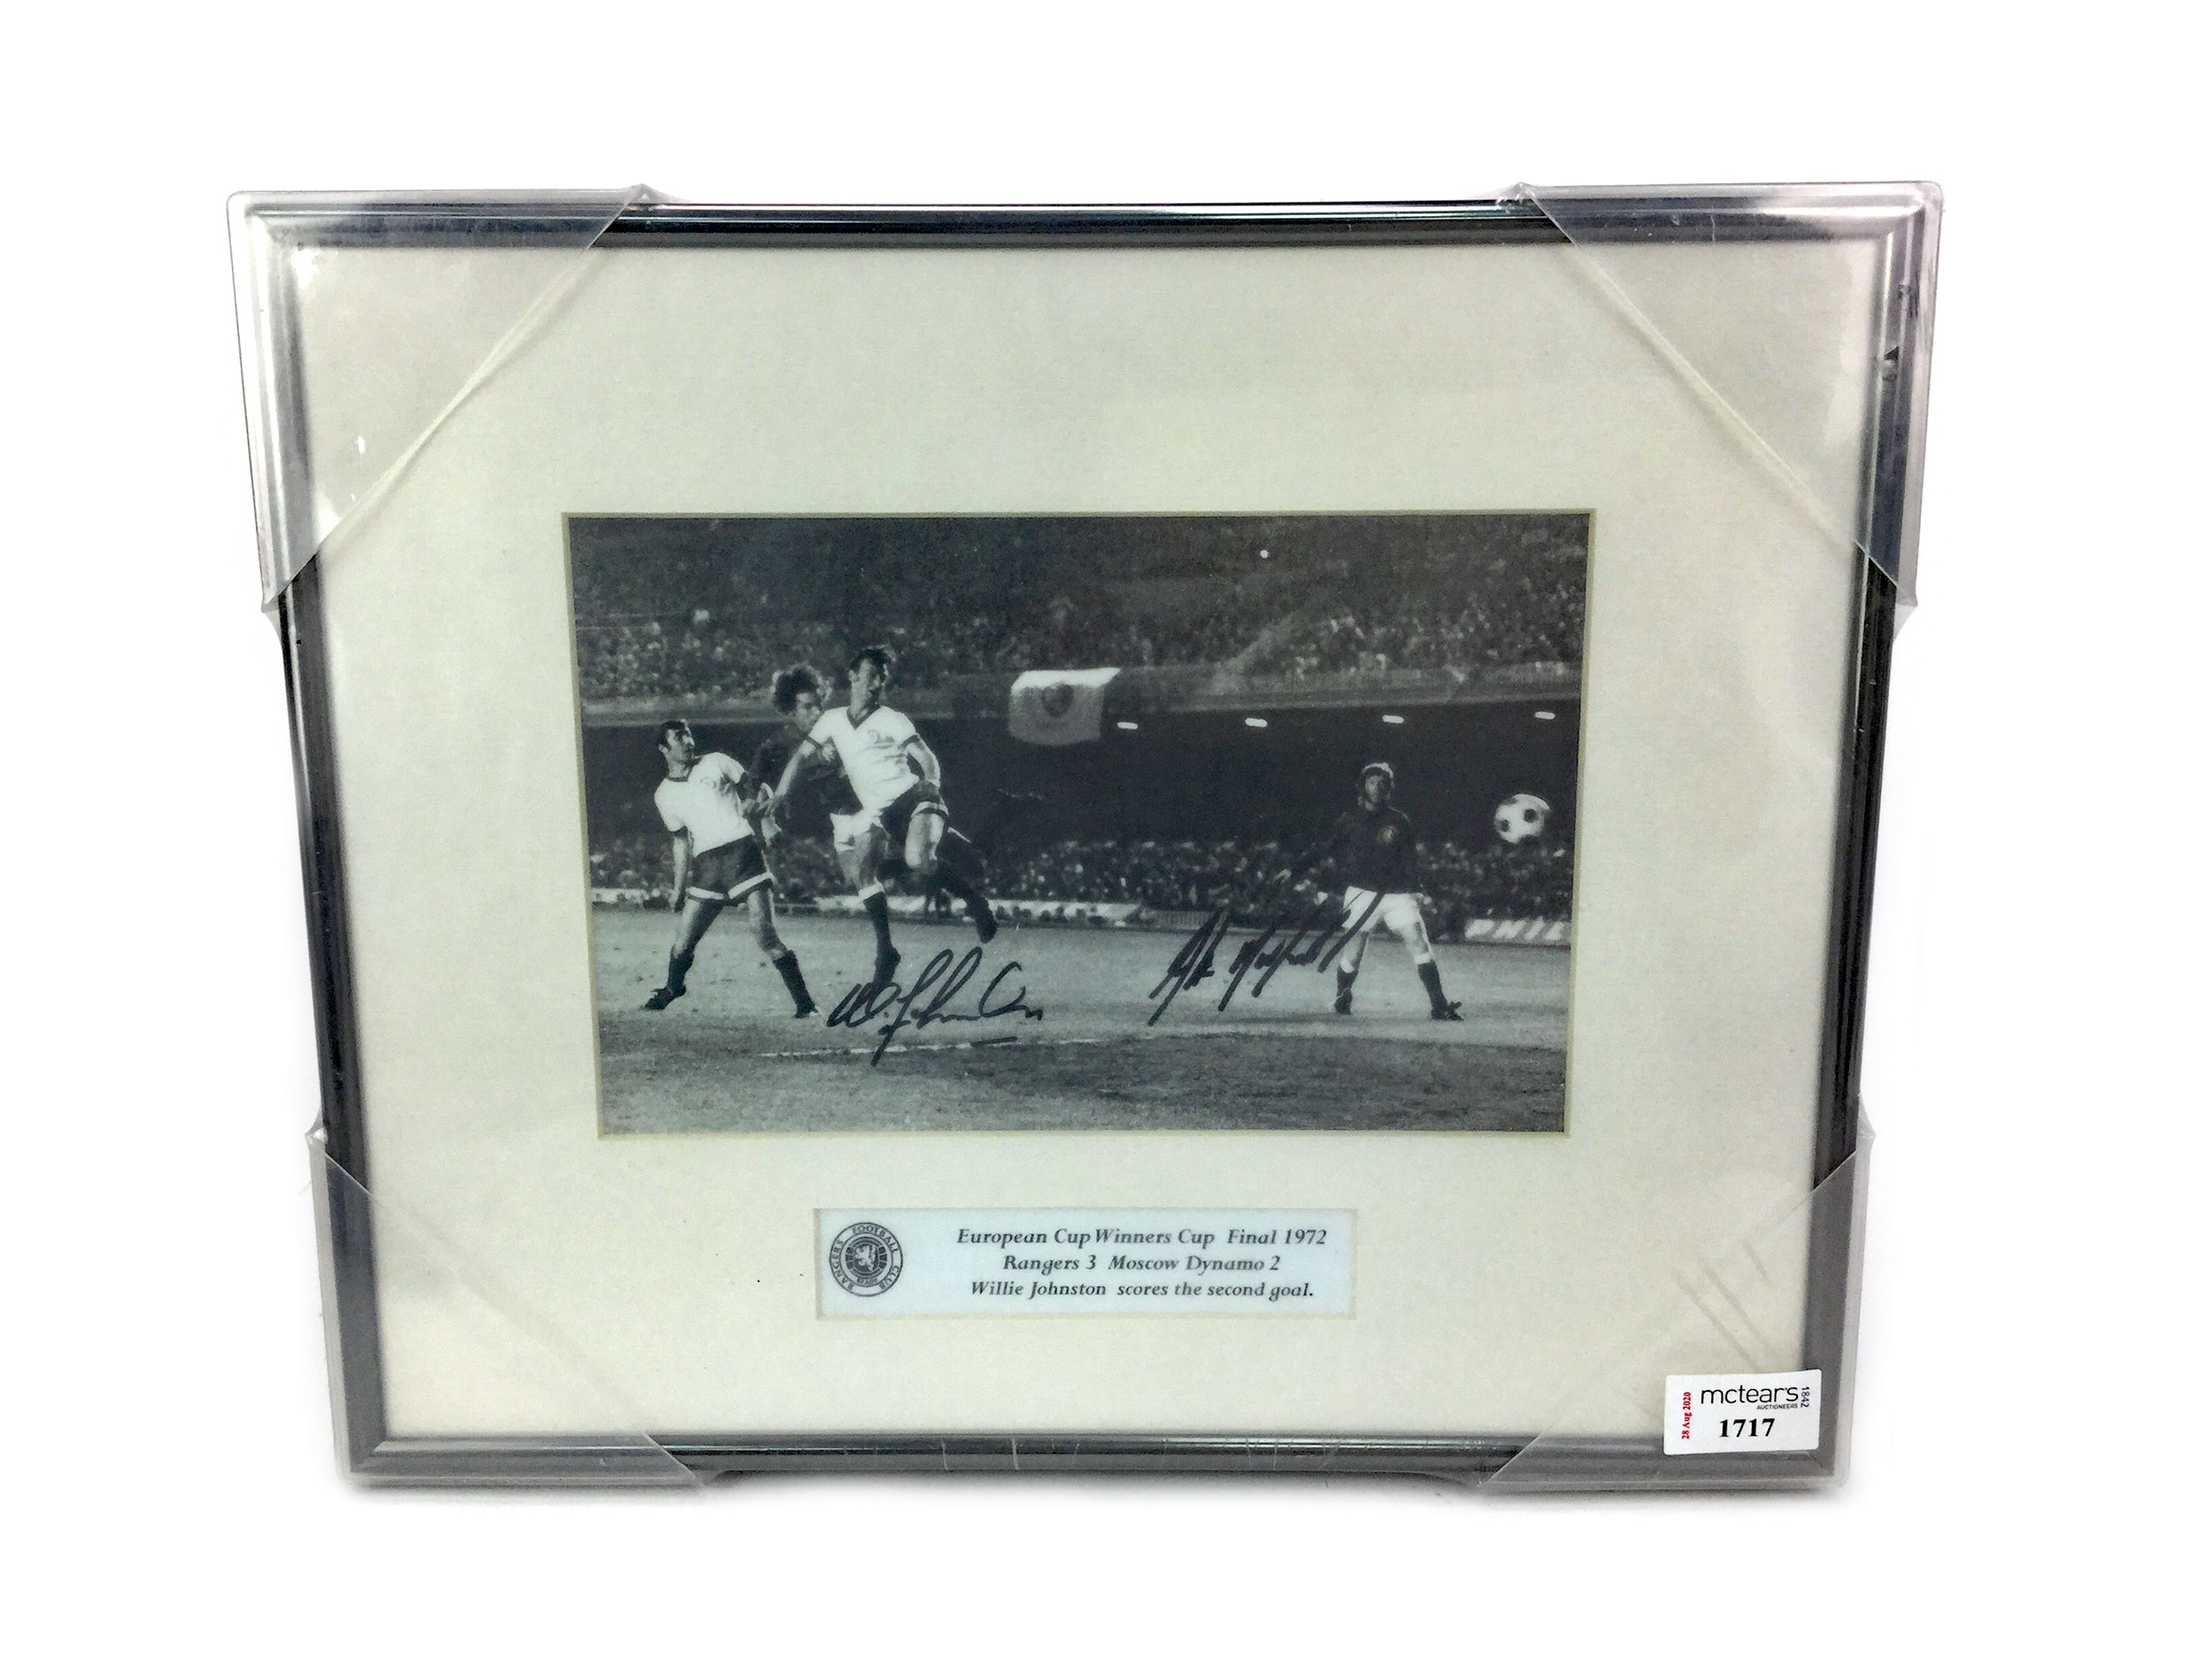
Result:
<point x="1044" y="1043"/>
<point x="939" y="1048"/>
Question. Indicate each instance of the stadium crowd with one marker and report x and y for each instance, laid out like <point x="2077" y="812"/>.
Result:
<point x="1459" y="883"/>
<point x="1516" y="618"/>
<point x="695" y="656"/>
<point x="1311" y="612"/>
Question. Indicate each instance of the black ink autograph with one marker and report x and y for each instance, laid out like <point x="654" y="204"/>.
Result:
<point x="1309" y="945"/>
<point x="943" y="980"/>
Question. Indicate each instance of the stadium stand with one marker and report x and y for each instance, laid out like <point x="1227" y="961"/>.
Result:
<point x="713" y="619"/>
<point x="1459" y="883"/>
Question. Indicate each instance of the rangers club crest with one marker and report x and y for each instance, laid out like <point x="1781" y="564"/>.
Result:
<point x="864" y="1259"/>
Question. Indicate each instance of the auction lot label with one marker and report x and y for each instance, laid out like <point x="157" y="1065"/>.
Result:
<point x="1762" y="1411"/>
<point x="873" y="1262"/>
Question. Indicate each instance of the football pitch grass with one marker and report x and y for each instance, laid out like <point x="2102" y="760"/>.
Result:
<point x="729" y="1056"/>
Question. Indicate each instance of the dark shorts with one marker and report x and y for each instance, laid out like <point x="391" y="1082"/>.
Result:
<point x="729" y="872"/>
<point x="900" y="813"/>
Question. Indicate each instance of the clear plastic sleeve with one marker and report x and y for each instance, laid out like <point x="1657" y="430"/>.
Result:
<point x="456" y="322"/>
<point x="470" y="288"/>
<point x="1739" y="349"/>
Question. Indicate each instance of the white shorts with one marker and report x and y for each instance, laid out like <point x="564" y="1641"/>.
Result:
<point x="1400" y="913"/>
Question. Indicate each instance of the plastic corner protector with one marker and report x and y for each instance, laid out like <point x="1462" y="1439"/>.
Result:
<point x="423" y="339"/>
<point x="1778" y="387"/>
<point x="1724" y="1308"/>
<point x="374" y="1253"/>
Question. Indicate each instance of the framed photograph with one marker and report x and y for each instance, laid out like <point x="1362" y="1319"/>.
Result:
<point x="1204" y="839"/>
<point x="1183" y="763"/>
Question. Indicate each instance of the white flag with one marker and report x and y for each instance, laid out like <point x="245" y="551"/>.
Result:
<point x="1058" y="705"/>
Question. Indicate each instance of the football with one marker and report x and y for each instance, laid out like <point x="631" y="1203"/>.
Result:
<point x="1521" y="817"/>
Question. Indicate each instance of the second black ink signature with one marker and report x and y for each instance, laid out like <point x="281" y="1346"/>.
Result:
<point x="1314" y="942"/>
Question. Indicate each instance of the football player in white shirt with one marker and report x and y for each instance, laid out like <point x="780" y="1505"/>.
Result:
<point x="897" y="780"/>
<point x="719" y="860"/>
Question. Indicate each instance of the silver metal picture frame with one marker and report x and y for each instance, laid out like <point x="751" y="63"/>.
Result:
<point x="277" y="237"/>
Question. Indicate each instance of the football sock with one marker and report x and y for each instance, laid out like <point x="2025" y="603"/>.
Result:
<point x="793" y="981"/>
<point x="957" y="884"/>
<point x="1434" y="982"/>
<point x="678" y="965"/>
<point x="959" y="854"/>
<point x="878" y="908"/>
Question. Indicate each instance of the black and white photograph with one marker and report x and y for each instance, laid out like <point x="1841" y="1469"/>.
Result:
<point x="1059" y="822"/>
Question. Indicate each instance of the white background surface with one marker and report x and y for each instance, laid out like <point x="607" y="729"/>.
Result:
<point x="2034" y="1068"/>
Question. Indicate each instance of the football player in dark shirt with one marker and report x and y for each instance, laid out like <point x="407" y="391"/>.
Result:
<point x="827" y="802"/>
<point x="1371" y="849"/>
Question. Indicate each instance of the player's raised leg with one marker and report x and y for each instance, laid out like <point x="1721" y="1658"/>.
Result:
<point x="937" y="853"/>
<point x="762" y="903"/>
<point x="693" y="916"/>
<point x="925" y="830"/>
